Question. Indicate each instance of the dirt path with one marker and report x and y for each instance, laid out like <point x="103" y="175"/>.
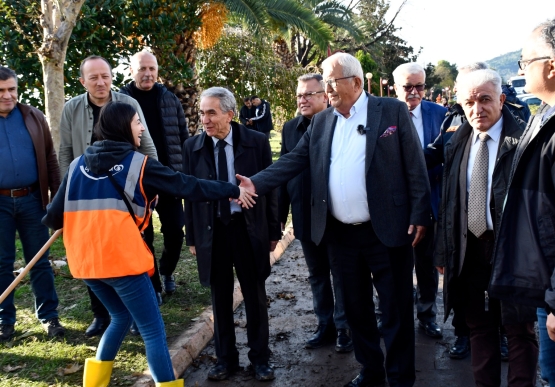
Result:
<point x="291" y="323"/>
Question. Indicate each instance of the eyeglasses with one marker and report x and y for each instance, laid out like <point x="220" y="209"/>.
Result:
<point x="522" y="64"/>
<point x="408" y="88"/>
<point x="308" y="96"/>
<point x="333" y="81"/>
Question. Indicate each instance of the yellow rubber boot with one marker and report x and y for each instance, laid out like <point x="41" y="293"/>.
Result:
<point x="175" y="383"/>
<point x="97" y="373"/>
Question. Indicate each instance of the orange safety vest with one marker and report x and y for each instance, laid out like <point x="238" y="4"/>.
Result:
<point x="101" y="238"/>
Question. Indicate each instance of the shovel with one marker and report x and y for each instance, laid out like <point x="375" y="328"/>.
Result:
<point x="30" y="265"/>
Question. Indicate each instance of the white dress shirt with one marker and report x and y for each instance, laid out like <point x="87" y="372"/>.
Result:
<point x="416" y="116"/>
<point x="347" y="183"/>
<point x="493" y="146"/>
<point x="230" y="158"/>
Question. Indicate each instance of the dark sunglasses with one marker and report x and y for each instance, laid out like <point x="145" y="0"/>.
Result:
<point x="408" y="88"/>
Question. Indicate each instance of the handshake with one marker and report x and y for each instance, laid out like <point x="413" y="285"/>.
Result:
<point x="247" y="192"/>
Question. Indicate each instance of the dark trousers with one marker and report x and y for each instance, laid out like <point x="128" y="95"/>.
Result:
<point x="427" y="278"/>
<point x="483" y="317"/>
<point x="366" y="262"/>
<point x="172" y="220"/>
<point x="327" y="311"/>
<point x="232" y="247"/>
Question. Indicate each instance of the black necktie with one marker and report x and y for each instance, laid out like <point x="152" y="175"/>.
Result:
<point x="225" y="208"/>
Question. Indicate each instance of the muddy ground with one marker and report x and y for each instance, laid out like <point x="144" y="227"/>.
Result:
<point x="292" y="321"/>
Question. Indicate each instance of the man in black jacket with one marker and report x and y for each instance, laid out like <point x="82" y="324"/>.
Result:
<point x="524" y="261"/>
<point x="168" y="128"/>
<point x="246" y="113"/>
<point x="478" y="159"/>
<point x="262" y="117"/>
<point x="223" y="236"/>
<point x="332" y="322"/>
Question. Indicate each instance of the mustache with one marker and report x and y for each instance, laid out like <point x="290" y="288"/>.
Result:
<point x="147" y="78"/>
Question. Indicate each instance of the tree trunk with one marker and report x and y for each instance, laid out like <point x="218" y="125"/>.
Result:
<point x="282" y="50"/>
<point x="58" y="19"/>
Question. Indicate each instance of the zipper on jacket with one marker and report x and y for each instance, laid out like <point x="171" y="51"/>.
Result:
<point x="486" y="301"/>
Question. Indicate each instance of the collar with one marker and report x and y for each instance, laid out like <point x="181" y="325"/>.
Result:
<point x="12" y="112"/>
<point x="88" y="102"/>
<point x="228" y="139"/>
<point x="360" y="104"/>
<point x="417" y="112"/>
<point x="548" y="114"/>
<point x="494" y="132"/>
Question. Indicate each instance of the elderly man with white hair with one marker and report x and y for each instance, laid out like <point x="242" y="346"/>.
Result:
<point x="478" y="159"/>
<point x="427" y="117"/>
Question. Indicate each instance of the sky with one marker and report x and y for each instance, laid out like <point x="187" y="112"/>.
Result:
<point x="467" y="31"/>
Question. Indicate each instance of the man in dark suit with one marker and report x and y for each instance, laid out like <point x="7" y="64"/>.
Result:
<point x="332" y="322"/>
<point x="223" y="235"/>
<point x="262" y="117"/>
<point x="370" y="200"/>
<point x="478" y="159"/>
<point x="410" y="79"/>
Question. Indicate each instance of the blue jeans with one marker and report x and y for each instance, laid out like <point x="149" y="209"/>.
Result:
<point x="547" y="349"/>
<point x="132" y="298"/>
<point x="24" y="214"/>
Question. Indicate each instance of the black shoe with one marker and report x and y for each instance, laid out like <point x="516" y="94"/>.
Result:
<point x="504" y="347"/>
<point x="461" y="348"/>
<point x="54" y="328"/>
<point x="431" y="329"/>
<point x="6" y="332"/>
<point x="168" y="282"/>
<point x="263" y="372"/>
<point x="324" y="334"/>
<point x="134" y="330"/>
<point x="364" y="381"/>
<point x="343" y="343"/>
<point x="97" y="327"/>
<point x="221" y="371"/>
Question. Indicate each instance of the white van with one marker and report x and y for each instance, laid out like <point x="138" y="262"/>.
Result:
<point x="518" y="83"/>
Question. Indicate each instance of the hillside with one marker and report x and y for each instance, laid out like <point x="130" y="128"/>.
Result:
<point x="506" y="65"/>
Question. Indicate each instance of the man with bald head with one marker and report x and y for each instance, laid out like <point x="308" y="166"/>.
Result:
<point x="79" y="116"/>
<point x="478" y="159"/>
<point x="166" y="122"/>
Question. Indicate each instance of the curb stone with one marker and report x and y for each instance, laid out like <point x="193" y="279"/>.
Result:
<point x="187" y="346"/>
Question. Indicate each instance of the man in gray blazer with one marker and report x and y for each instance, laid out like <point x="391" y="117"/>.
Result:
<point x="370" y="200"/>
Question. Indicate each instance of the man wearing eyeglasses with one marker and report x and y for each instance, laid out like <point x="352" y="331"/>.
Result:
<point x="427" y="117"/>
<point x="524" y="262"/>
<point x="370" y="201"/>
<point x="332" y="322"/>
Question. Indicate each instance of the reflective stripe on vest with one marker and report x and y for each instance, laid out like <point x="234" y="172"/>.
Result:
<point x="101" y="238"/>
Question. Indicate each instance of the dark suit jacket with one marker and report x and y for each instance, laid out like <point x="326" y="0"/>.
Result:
<point x="432" y="118"/>
<point x="252" y="154"/>
<point x="397" y="185"/>
<point x="452" y="227"/>
<point x="296" y="192"/>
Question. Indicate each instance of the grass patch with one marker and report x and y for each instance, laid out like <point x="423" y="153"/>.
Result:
<point x="32" y="359"/>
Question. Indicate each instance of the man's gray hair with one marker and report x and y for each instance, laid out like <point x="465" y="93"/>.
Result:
<point x="311" y="76"/>
<point x="349" y="64"/>
<point x="478" y="78"/>
<point x="226" y="97"/>
<point x="407" y="69"/>
<point x="470" y="68"/>
<point x="547" y="34"/>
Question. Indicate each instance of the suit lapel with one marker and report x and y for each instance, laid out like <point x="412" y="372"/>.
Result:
<point x="327" y="139"/>
<point x="426" y="124"/>
<point x="373" y="118"/>
<point x="204" y="148"/>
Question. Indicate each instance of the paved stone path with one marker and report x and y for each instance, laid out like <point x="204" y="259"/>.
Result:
<point x="291" y="323"/>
